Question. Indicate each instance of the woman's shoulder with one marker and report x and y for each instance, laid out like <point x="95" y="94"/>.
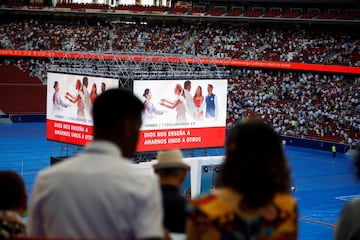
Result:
<point x="10" y="228"/>
<point x="285" y="200"/>
<point x="279" y="219"/>
<point x="228" y="201"/>
<point x="210" y="205"/>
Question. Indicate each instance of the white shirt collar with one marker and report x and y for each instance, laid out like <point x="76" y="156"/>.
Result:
<point x="104" y="147"/>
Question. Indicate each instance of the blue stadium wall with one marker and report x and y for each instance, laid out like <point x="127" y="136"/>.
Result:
<point x="290" y="141"/>
<point x="27" y="117"/>
<point x="315" y="144"/>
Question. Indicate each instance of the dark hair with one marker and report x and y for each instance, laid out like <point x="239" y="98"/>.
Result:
<point x="255" y="165"/>
<point x="113" y="107"/>
<point x="194" y="97"/>
<point x="187" y="83"/>
<point x="210" y="85"/>
<point x="85" y="79"/>
<point x="146" y="92"/>
<point x="56" y="83"/>
<point x="12" y="191"/>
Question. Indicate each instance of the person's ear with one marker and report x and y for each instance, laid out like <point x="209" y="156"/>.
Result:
<point x="183" y="176"/>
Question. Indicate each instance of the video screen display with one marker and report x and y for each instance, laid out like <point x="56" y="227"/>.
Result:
<point x="182" y="113"/>
<point x="69" y="103"/>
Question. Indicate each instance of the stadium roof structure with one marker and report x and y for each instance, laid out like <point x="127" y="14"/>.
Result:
<point x="347" y="6"/>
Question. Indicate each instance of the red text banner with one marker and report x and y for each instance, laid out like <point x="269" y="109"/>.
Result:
<point x="72" y="133"/>
<point x="181" y="138"/>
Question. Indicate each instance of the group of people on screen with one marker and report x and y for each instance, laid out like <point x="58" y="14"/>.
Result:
<point x="99" y="194"/>
<point x="81" y="97"/>
<point x="187" y="106"/>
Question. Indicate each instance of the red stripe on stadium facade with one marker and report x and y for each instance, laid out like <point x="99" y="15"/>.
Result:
<point x="179" y="59"/>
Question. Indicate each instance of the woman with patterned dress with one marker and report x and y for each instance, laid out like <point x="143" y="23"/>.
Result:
<point x="252" y="198"/>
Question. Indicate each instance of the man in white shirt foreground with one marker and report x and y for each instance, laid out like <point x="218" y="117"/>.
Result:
<point x="98" y="194"/>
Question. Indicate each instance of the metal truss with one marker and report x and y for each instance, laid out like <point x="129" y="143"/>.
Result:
<point x="61" y="151"/>
<point x="127" y="67"/>
<point x="144" y="157"/>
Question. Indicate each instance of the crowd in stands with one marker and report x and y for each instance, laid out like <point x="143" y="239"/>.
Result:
<point x="34" y="68"/>
<point x="301" y="104"/>
<point x="270" y="42"/>
<point x="295" y="103"/>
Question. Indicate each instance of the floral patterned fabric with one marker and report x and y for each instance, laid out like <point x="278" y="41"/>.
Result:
<point x="10" y="229"/>
<point x="278" y="222"/>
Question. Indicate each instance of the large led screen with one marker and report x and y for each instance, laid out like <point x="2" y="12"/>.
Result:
<point x="69" y="103"/>
<point x="179" y="116"/>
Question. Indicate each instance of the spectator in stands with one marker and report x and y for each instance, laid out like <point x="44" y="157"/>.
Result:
<point x="98" y="194"/>
<point x="13" y="203"/>
<point x="179" y="103"/>
<point x="333" y="150"/>
<point x="289" y="43"/>
<point x="58" y="103"/>
<point x="172" y="171"/>
<point x="348" y="224"/>
<point x="320" y="106"/>
<point x="252" y="198"/>
<point x="78" y="98"/>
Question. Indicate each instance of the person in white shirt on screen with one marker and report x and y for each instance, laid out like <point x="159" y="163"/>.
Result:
<point x="178" y="103"/>
<point x="78" y="99"/>
<point x="190" y="106"/>
<point x="150" y="109"/>
<point x="87" y="100"/>
<point x="58" y="102"/>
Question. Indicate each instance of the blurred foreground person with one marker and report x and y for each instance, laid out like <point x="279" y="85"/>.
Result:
<point x="98" y="194"/>
<point x="172" y="171"/>
<point x="348" y="225"/>
<point x="252" y="198"/>
<point x="13" y="203"/>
